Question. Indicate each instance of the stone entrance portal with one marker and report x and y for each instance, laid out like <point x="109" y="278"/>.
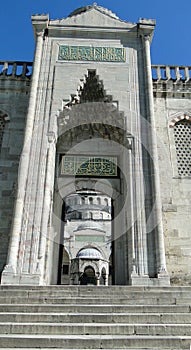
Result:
<point x="89" y="129"/>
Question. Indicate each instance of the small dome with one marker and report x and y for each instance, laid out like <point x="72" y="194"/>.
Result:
<point x="90" y="225"/>
<point x="89" y="253"/>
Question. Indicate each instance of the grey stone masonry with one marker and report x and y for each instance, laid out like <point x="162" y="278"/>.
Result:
<point x="172" y="104"/>
<point x="171" y="89"/>
<point x="14" y="95"/>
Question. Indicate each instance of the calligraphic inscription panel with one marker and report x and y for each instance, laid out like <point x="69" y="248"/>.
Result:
<point x="89" y="238"/>
<point x="88" y="53"/>
<point x="88" y="166"/>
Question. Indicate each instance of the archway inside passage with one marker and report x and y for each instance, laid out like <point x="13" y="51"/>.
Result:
<point x="87" y="237"/>
<point x="93" y="161"/>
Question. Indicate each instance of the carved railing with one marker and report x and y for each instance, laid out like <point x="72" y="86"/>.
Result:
<point x="174" y="73"/>
<point x="15" y="69"/>
<point x="159" y="72"/>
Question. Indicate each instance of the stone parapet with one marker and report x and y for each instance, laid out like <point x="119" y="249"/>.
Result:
<point x="15" y="69"/>
<point x="171" y="81"/>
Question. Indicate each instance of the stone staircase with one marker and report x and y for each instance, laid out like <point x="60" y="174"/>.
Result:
<point x="90" y="317"/>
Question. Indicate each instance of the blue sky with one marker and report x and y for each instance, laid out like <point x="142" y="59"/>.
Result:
<point x="171" y="42"/>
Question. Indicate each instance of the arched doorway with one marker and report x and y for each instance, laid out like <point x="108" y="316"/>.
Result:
<point x="96" y="152"/>
<point x="64" y="266"/>
<point x="86" y="232"/>
<point x="88" y="277"/>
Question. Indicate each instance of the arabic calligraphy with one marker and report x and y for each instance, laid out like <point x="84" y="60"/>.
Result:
<point x="89" y="238"/>
<point x="89" y="166"/>
<point x="88" y="53"/>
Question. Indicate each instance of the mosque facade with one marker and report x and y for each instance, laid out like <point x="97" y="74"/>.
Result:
<point x="95" y="163"/>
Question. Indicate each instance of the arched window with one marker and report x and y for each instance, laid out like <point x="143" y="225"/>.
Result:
<point x="65" y="262"/>
<point x="98" y="200"/>
<point x="106" y="201"/>
<point x="90" y="200"/>
<point x="83" y="200"/>
<point x="3" y="119"/>
<point x="182" y="138"/>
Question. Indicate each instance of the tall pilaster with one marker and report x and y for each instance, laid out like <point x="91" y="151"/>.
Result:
<point x="11" y="273"/>
<point x="146" y="33"/>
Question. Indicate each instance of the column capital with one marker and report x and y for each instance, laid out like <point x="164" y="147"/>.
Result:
<point x="40" y="24"/>
<point x="146" y="28"/>
<point x="147" y="37"/>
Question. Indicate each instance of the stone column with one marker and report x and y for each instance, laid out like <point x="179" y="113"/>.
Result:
<point x="154" y="154"/>
<point x="139" y="272"/>
<point x="131" y="171"/>
<point x="19" y="214"/>
<point x="48" y="195"/>
<point x="98" y="279"/>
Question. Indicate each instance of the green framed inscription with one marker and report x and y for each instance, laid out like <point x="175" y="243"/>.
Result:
<point x="89" y="53"/>
<point x="88" y="166"/>
<point x="89" y="238"/>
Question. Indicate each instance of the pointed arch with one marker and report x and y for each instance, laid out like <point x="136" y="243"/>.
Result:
<point x="4" y="118"/>
<point x="179" y="118"/>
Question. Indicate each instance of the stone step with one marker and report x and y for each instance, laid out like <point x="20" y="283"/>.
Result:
<point x="95" y="329"/>
<point x="95" y="291"/>
<point x="115" y="318"/>
<point x="84" y="300"/>
<point x="101" y="291"/>
<point x="90" y="287"/>
<point x="89" y="317"/>
<point x="145" y="348"/>
<point x="83" y="308"/>
<point x="97" y="341"/>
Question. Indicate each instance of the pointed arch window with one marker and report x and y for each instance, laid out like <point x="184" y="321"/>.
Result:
<point x="182" y="138"/>
<point x="3" y="120"/>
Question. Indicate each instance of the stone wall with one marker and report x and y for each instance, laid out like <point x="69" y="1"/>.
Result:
<point x="14" y="95"/>
<point x="171" y="86"/>
<point x="172" y="105"/>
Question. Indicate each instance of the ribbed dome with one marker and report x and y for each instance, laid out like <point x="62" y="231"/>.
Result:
<point x="89" y="225"/>
<point x="89" y="7"/>
<point x="89" y="253"/>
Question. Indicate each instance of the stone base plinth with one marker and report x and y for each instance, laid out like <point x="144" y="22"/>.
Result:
<point x="162" y="280"/>
<point x="9" y="277"/>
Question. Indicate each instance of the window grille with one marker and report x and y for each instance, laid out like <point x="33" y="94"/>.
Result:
<point x="182" y="137"/>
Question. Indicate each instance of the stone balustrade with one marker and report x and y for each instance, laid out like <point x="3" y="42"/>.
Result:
<point x="174" y="73"/>
<point x="14" y="69"/>
<point x="159" y="72"/>
<point x="171" y="81"/>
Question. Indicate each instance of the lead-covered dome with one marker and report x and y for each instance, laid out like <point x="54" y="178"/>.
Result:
<point x="89" y="253"/>
<point x="89" y="225"/>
